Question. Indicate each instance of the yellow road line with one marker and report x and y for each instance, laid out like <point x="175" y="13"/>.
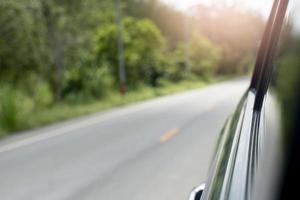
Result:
<point x="168" y="135"/>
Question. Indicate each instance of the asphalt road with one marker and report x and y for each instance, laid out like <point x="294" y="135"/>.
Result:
<point x="155" y="150"/>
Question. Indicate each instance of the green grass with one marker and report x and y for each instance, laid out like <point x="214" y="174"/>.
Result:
<point x="64" y="111"/>
<point x="2" y="132"/>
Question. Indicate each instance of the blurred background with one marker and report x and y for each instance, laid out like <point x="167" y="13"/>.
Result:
<point x="59" y="59"/>
<point x="111" y="99"/>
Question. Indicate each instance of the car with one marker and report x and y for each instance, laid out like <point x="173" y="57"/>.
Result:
<point x="257" y="154"/>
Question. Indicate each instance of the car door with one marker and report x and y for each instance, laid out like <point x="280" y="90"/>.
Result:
<point x="241" y="148"/>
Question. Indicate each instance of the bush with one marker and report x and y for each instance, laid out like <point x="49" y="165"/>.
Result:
<point x="86" y="83"/>
<point x="14" y="106"/>
<point x="37" y="89"/>
<point x="204" y="56"/>
<point x="176" y="69"/>
<point x="43" y="95"/>
<point x="144" y="48"/>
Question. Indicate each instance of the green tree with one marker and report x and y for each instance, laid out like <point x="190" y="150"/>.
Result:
<point x="144" y="49"/>
<point x="48" y="37"/>
<point x="169" y="20"/>
<point x="236" y="31"/>
<point x="70" y="26"/>
<point x="203" y="59"/>
<point x="22" y="48"/>
<point x="204" y="56"/>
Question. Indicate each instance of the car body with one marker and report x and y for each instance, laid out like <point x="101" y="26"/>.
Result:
<point x="256" y="155"/>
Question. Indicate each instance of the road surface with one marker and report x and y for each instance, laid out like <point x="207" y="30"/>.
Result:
<point x="155" y="150"/>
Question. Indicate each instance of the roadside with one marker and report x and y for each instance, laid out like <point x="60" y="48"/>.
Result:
<point x="89" y="157"/>
<point x="64" y="111"/>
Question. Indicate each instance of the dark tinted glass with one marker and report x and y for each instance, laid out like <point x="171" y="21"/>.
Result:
<point x="285" y="83"/>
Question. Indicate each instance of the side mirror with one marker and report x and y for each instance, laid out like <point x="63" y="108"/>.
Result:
<point x="197" y="192"/>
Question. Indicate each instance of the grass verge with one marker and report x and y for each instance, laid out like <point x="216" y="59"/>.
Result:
<point x="64" y="111"/>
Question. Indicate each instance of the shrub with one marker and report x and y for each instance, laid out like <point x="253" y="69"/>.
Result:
<point x="204" y="56"/>
<point x="43" y="95"/>
<point x="14" y="106"/>
<point x="37" y="89"/>
<point x="144" y="48"/>
<point x="86" y="83"/>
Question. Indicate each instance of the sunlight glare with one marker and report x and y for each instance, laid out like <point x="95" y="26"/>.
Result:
<point x="262" y="6"/>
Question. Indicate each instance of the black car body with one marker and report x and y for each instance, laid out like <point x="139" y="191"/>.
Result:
<point x="257" y="152"/>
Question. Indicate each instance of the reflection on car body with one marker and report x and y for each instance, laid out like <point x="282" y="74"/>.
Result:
<point x="256" y="156"/>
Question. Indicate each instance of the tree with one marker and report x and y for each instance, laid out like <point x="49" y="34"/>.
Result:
<point x="169" y="20"/>
<point x="144" y="48"/>
<point x="21" y="44"/>
<point x="69" y="28"/>
<point x="47" y="37"/>
<point x="235" y="30"/>
<point x="204" y="56"/>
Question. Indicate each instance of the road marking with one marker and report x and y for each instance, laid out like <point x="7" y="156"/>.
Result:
<point x="168" y="135"/>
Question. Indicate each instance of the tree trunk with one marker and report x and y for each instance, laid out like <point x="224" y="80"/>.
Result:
<point x="56" y="47"/>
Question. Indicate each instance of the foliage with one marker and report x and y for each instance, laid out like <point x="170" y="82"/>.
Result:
<point x="83" y="84"/>
<point x="14" y="107"/>
<point x="144" y="49"/>
<point x="204" y="56"/>
<point x="63" y="52"/>
<point x="286" y="83"/>
<point x="21" y="47"/>
<point x="62" y="111"/>
<point x="236" y="31"/>
<point x="166" y="18"/>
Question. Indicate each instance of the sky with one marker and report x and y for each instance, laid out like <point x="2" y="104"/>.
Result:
<point x="263" y="6"/>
